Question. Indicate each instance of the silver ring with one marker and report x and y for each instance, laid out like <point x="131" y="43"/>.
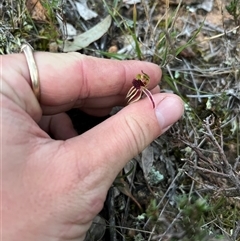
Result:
<point x="28" y="52"/>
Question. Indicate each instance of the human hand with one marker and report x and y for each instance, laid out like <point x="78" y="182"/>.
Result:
<point x="52" y="189"/>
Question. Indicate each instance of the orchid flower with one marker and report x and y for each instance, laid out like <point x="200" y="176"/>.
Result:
<point x="139" y="88"/>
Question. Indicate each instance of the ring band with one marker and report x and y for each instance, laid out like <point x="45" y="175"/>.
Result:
<point x="28" y="52"/>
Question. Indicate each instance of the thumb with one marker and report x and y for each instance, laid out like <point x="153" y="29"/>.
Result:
<point x="118" y="139"/>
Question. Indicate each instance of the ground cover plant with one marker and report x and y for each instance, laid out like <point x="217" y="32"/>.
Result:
<point x="186" y="184"/>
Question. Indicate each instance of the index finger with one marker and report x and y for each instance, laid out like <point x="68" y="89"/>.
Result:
<point x="68" y="78"/>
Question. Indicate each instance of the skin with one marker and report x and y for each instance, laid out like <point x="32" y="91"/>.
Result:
<point x="52" y="189"/>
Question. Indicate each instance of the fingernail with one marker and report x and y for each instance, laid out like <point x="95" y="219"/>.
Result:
<point x="168" y="111"/>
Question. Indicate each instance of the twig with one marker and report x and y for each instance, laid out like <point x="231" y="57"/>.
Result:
<point x="228" y="169"/>
<point x="236" y="232"/>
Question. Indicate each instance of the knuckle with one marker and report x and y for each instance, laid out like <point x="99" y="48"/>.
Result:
<point x="137" y="133"/>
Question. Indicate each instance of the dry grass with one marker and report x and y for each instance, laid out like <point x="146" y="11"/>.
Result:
<point x="199" y="158"/>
